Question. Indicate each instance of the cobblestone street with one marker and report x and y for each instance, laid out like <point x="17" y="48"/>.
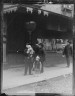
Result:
<point x="61" y="84"/>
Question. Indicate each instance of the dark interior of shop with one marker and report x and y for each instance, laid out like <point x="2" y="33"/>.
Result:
<point x="46" y="27"/>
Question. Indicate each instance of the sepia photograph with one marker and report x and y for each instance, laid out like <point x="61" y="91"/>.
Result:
<point x="37" y="47"/>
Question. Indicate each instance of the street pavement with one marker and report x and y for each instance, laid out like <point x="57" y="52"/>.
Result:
<point x="57" y="84"/>
<point x="14" y="77"/>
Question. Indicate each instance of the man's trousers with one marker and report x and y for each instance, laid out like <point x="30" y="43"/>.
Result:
<point x="28" y="65"/>
<point x="68" y="60"/>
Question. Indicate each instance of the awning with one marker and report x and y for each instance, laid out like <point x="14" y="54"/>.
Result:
<point x="54" y="21"/>
<point x="30" y="8"/>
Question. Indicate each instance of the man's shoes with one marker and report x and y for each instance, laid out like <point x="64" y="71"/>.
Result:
<point x="30" y="74"/>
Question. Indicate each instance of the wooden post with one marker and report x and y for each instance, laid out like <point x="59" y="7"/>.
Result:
<point x="4" y="29"/>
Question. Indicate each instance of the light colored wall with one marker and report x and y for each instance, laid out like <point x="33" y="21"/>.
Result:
<point x="56" y="8"/>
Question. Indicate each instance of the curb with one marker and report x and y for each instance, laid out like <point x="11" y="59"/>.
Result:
<point x="36" y="78"/>
<point x="37" y="81"/>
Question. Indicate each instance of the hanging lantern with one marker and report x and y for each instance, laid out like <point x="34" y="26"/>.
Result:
<point x="10" y="10"/>
<point x="45" y="13"/>
<point x="15" y="9"/>
<point x="29" y="9"/>
<point x="39" y="11"/>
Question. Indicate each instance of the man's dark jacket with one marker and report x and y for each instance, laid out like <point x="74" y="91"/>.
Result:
<point x="67" y="51"/>
<point x="40" y="52"/>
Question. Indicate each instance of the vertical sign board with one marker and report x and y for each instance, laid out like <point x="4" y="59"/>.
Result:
<point x="4" y="29"/>
<point x="4" y="40"/>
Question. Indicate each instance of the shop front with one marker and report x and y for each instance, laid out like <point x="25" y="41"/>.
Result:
<point x="48" y="25"/>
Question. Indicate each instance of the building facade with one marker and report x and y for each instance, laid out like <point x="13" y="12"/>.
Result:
<point x="51" y="23"/>
<point x="64" y="9"/>
<point x="68" y="10"/>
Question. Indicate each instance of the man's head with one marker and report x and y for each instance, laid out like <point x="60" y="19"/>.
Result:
<point x="68" y="42"/>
